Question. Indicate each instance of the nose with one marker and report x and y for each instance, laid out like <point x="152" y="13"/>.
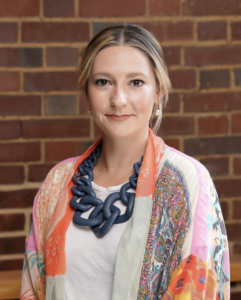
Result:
<point x="118" y="98"/>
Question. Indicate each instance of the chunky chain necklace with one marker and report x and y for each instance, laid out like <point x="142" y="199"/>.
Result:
<point x="104" y="212"/>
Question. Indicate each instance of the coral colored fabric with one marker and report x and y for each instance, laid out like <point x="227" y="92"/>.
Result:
<point x="185" y="250"/>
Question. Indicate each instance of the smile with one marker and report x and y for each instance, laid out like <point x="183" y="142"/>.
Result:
<point x="119" y="118"/>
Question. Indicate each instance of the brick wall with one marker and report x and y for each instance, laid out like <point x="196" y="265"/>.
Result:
<point x="43" y="120"/>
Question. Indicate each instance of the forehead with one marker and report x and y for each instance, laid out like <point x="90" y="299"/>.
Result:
<point x="121" y="59"/>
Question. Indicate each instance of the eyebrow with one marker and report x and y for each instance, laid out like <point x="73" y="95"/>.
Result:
<point x="130" y="75"/>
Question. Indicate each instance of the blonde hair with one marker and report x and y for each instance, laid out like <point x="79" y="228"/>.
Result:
<point x="137" y="37"/>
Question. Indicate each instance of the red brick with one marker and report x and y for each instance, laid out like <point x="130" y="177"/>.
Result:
<point x="163" y="7"/>
<point x="236" y="209"/>
<point x="237" y="250"/>
<point x="9" y="81"/>
<point x="224" y="208"/>
<point x="212" y="101"/>
<point x="176" y="126"/>
<point x="212" y="125"/>
<point x="235" y="295"/>
<point x="236" y="30"/>
<point x="62" y="56"/>
<point x="19" y="8"/>
<point x="20" y="105"/>
<point x="58" y="8"/>
<point x="9" y="129"/>
<point x="99" y="26"/>
<point x="56" y="128"/>
<point x="20" y="57"/>
<point x="51" y="81"/>
<point x="228" y="187"/>
<point x="237" y="165"/>
<point x="237" y="74"/>
<point x="60" y="150"/>
<point x="8" y="32"/>
<point x="60" y="105"/>
<point x="37" y="173"/>
<point x="83" y="105"/>
<point x="11" y="174"/>
<point x="172" y="55"/>
<point x="17" y="199"/>
<point x="216" y="166"/>
<point x="214" y="79"/>
<point x="11" y="265"/>
<point x="50" y="32"/>
<point x="236" y="123"/>
<point x="216" y="55"/>
<point x="11" y="245"/>
<point x="174" y="143"/>
<point x="169" y="31"/>
<point x="214" y="30"/>
<point x="215" y="8"/>
<point x="173" y="104"/>
<point x="213" y="145"/>
<point x="105" y="8"/>
<point x="83" y="146"/>
<point x="16" y="152"/>
<point x="233" y="233"/>
<point x="183" y="79"/>
<point x="12" y="222"/>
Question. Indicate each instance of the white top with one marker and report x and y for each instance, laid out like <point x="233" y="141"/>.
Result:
<point x="90" y="261"/>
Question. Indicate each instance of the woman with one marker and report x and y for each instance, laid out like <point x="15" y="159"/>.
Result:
<point x="131" y="218"/>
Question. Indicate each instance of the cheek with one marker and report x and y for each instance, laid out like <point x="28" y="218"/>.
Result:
<point x="97" y="99"/>
<point x="143" y="105"/>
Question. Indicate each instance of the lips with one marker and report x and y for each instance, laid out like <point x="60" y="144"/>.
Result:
<point x="118" y="118"/>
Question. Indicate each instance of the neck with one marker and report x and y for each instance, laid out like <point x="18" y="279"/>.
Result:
<point x="121" y="153"/>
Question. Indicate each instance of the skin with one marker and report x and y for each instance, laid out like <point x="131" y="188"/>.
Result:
<point x="113" y="89"/>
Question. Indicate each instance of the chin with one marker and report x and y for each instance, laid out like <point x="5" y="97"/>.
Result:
<point x="119" y="132"/>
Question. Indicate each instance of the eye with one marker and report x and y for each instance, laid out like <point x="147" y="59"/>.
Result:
<point x="137" y="82"/>
<point x="104" y="81"/>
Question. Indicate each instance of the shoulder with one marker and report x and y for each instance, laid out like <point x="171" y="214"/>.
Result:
<point x="189" y="167"/>
<point x="187" y="164"/>
<point x="55" y="180"/>
<point x="187" y="173"/>
<point x="63" y="167"/>
<point x="52" y="186"/>
<point x="48" y="196"/>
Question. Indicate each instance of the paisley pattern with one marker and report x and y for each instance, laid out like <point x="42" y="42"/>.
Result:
<point x="50" y="194"/>
<point x="169" y="226"/>
<point x="219" y="244"/>
<point x="185" y="207"/>
<point x="34" y="264"/>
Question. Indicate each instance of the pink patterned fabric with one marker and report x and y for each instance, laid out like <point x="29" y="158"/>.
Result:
<point x="185" y="207"/>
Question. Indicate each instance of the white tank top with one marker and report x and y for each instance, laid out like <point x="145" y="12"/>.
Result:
<point x="90" y="261"/>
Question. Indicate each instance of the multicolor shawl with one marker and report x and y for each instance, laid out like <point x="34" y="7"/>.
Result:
<point x="174" y="245"/>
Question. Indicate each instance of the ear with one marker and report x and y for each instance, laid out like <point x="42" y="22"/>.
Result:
<point x="157" y="97"/>
<point x="160" y="93"/>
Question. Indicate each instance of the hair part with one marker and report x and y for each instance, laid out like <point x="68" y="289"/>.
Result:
<point x="137" y="37"/>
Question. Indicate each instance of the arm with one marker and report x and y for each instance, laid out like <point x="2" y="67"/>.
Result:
<point x="33" y="272"/>
<point x="205" y="273"/>
<point x="34" y="269"/>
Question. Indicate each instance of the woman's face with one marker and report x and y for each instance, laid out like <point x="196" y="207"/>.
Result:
<point x="122" y="83"/>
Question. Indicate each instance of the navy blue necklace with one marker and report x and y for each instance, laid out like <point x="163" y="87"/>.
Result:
<point x="104" y="212"/>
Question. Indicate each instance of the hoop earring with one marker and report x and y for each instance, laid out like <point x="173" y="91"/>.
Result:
<point x="89" y="112"/>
